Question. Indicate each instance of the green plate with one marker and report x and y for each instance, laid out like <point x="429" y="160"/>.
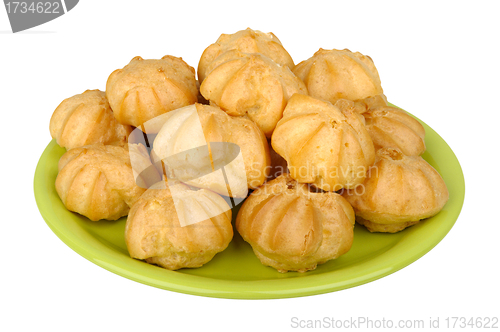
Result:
<point x="236" y="272"/>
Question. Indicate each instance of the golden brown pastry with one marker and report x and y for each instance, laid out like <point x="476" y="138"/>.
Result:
<point x="362" y="105"/>
<point x="182" y="145"/>
<point x="323" y="145"/>
<point x="252" y="85"/>
<point x="97" y="181"/>
<point x="293" y="229"/>
<point x="335" y="74"/>
<point x="398" y="192"/>
<point x="247" y="41"/>
<point x="86" y="119"/>
<point x="175" y="227"/>
<point x="391" y="127"/>
<point x="144" y="89"/>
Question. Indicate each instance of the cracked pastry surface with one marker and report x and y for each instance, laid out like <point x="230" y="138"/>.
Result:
<point x="246" y="41"/>
<point x="97" y="181"/>
<point x="251" y="84"/>
<point x="389" y="127"/>
<point x="322" y="144"/>
<point x="362" y="105"/>
<point x="291" y="228"/>
<point x="86" y="119"/>
<point x="146" y="88"/>
<point x="339" y="74"/>
<point x="398" y="192"/>
<point x="175" y="227"/>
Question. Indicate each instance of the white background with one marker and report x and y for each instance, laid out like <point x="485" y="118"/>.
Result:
<point x="438" y="60"/>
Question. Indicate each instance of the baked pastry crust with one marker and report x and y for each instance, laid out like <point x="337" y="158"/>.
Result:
<point x="246" y="41"/>
<point x="86" y="119"/>
<point x="154" y="231"/>
<point x="391" y="127"/>
<point x="97" y="181"/>
<point x="323" y="145"/>
<point x="362" y="105"/>
<point x="291" y="228"/>
<point x="398" y="192"/>
<point x="194" y="126"/>
<point x="251" y="84"/>
<point x="339" y="74"/>
<point x="144" y="89"/>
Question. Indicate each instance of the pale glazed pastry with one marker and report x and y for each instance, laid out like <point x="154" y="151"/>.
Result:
<point x="252" y="85"/>
<point x="182" y="141"/>
<point x="335" y="74"/>
<point x="323" y="145"/>
<point x="398" y="192"/>
<point x="156" y="161"/>
<point x="176" y="227"/>
<point x="97" y="181"/>
<point x="247" y="41"/>
<point x="291" y="228"/>
<point x="86" y="119"/>
<point x="144" y="89"/>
